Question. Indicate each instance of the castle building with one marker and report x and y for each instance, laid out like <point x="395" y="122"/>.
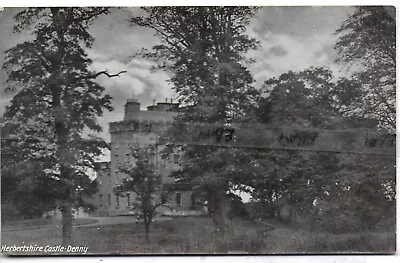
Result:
<point x="141" y="128"/>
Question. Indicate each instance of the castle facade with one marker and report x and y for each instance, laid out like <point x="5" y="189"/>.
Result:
<point x="141" y="128"/>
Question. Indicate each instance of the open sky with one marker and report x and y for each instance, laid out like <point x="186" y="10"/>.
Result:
<point x="291" y="38"/>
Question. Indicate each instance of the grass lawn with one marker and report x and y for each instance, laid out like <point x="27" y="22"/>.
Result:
<point x="196" y="235"/>
<point x="41" y="223"/>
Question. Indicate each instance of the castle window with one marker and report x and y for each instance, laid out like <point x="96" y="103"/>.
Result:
<point x="178" y="198"/>
<point x="176" y="158"/>
<point x="101" y="199"/>
<point x="163" y="198"/>
<point x="128" y="200"/>
<point x="116" y="159"/>
<point x="127" y="157"/>
<point x="109" y="199"/>
<point x="117" y="196"/>
<point x="193" y="199"/>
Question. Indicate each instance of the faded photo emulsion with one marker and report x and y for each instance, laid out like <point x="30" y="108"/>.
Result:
<point x="198" y="130"/>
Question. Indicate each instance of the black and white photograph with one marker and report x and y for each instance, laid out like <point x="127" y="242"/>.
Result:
<point x="198" y="130"/>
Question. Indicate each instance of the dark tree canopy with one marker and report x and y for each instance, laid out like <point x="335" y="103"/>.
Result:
<point x="367" y="41"/>
<point x="204" y="48"/>
<point x="327" y="187"/>
<point x="367" y="36"/>
<point x="56" y="100"/>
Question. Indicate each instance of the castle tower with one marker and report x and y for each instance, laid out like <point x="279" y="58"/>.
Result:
<point x="143" y="128"/>
<point x="132" y="109"/>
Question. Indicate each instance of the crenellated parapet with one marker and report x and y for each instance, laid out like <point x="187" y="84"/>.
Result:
<point x="136" y="126"/>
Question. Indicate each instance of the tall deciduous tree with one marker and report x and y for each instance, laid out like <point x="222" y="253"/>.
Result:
<point x="367" y="39"/>
<point x="56" y="99"/>
<point x="204" y="48"/>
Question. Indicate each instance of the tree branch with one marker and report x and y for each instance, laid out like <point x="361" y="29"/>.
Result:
<point x="91" y="15"/>
<point x="108" y="74"/>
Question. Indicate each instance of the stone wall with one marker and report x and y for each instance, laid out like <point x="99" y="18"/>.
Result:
<point x="138" y="128"/>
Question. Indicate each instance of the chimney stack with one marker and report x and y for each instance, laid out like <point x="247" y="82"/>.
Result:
<point x="132" y="107"/>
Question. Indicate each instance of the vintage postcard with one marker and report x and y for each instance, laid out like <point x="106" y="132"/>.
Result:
<point x="198" y="130"/>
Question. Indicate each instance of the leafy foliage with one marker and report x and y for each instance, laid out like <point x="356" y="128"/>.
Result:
<point x="299" y="98"/>
<point x="143" y="181"/>
<point x="204" y="49"/>
<point x="56" y="100"/>
<point x="327" y="187"/>
<point x="367" y="39"/>
<point x="310" y="98"/>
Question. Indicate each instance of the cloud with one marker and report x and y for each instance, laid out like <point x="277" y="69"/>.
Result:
<point x="8" y="39"/>
<point x="139" y="81"/>
<point x="294" y="38"/>
<point x="291" y="38"/>
<point x="299" y="55"/>
<point x="300" y="21"/>
<point x="3" y="104"/>
<point x="116" y="38"/>
<point x="278" y="51"/>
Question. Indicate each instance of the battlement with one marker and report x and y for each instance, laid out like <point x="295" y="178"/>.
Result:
<point x="162" y="111"/>
<point x="141" y="126"/>
<point x="164" y="106"/>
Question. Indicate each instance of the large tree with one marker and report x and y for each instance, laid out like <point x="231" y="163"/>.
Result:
<point x="204" y="48"/>
<point x="294" y="99"/>
<point x="367" y="43"/>
<point x="334" y="184"/>
<point x="56" y="99"/>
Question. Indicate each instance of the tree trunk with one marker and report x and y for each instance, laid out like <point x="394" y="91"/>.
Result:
<point x="220" y="213"/>
<point x="147" y="210"/>
<point x="147" y="222"/>
<point x="66" y="211"/>
<point x="146" y="230"/>
<point x="219" y="204"/>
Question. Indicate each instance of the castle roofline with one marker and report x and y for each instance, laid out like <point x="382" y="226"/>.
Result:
<point x="166" y="103"/>
<point x="132" y="100"/>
